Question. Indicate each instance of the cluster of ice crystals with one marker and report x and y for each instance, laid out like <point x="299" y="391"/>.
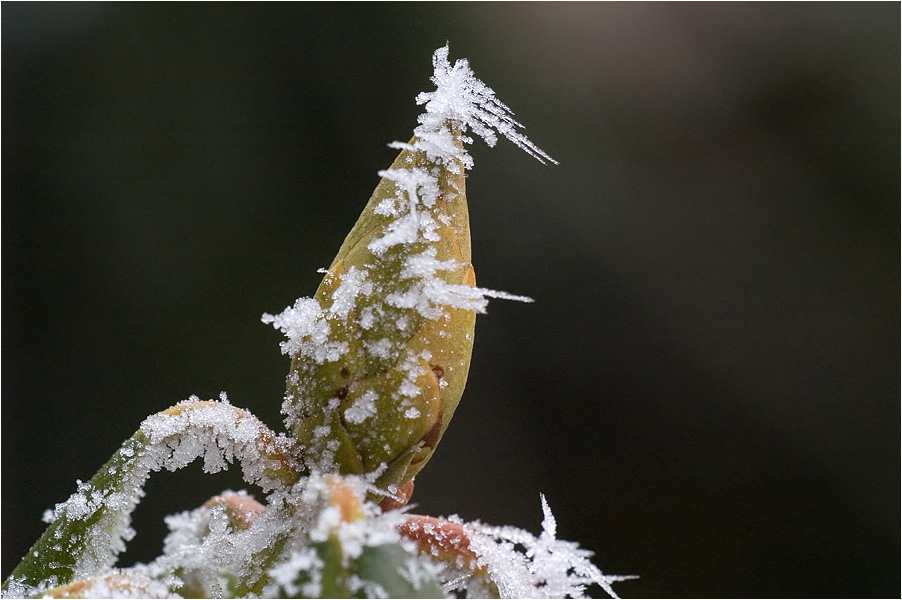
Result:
<point x="307" y="330"/>
<point x="363" y="408"/>
<point x="81" y="504"/>
<point x="413" y="222"/>
<point x="353" y="283"/>
<point x="545" y="567"/>
<point x="122" y="585"/>
<point x="461" y="97"/>
<point x="207" y="552"/>
<point x="430" y="293"/>
<point x="215" y="431"/>
<point x="301" y="571"/>
<point x="285" y="575"/>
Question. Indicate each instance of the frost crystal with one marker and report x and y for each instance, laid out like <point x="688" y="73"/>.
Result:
<point x="463" y="98"/>
<point x="306" y="329"/>
<point x="363" y="408"/>
<point x="546" y="568"/>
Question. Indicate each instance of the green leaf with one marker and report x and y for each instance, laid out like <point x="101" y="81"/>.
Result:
<point x="396" y="571"/>
<point x="86" y="535"/>
<point x="384" y="571"/>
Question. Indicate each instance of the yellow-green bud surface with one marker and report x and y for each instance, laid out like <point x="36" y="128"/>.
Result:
<point x="383" y="385"/>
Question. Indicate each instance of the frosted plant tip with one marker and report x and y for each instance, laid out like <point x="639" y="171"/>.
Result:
<point x="461" y="97"/>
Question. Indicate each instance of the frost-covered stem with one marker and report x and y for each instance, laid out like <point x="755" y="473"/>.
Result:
<point x="90" y="529"/>
<point x="88" y="532"/>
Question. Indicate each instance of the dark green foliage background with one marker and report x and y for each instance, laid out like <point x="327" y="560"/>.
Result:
<point x="707" y="387"/>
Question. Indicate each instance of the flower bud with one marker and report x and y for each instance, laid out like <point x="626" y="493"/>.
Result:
<point x="381" y="353"/>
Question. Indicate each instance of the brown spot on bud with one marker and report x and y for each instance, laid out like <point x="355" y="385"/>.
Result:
<point x="438" y="370"/>
<point x="430" y="440"/>
<point x="469" y="276"/>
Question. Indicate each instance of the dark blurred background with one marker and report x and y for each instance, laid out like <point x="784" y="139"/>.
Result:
<point x="707" y="386"/>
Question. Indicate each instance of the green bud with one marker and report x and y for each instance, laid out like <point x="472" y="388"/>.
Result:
<point x="381" y="352"/>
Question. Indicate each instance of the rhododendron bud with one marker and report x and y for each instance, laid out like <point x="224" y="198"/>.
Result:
<point x="384" y="356"/>
<point x="380" y="354"/>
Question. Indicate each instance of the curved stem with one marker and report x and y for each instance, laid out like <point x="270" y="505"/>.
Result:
<point x="90" y="529"/>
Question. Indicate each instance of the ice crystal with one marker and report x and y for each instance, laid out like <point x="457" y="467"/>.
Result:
<point x="525" y="566"/>
<point x="353" y="531"/>
<point x="363" y="408"/>
<point x="462" y="98"/>
<point x="306" y="329"/>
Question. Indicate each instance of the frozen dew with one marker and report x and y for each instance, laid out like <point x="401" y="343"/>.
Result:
<point x="545" y="567"/>
<point x="363" y="408"/>
<point x="299" y="323"/>
<point x="461" y="97"/>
